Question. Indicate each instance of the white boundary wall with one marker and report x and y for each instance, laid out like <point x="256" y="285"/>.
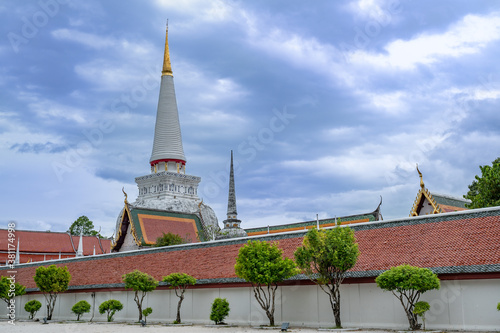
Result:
<point x="458" y="305"/>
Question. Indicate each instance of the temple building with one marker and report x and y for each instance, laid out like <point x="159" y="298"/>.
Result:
<point x="168" y="199"/>
<point x="432" y="203"/>
<point x="232" y="226"/>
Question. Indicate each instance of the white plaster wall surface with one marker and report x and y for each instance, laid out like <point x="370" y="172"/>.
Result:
<point x="458" y="305"/>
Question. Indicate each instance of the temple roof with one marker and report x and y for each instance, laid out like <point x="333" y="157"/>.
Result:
<point x="146" y="225"/>
<point x="323" y="223"/>
<point x="433" y="203"/>
<point x="47" y="242"/>
<point x="456" y="243"/>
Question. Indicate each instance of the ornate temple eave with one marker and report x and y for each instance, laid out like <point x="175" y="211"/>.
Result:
<point x="125" y="223"/>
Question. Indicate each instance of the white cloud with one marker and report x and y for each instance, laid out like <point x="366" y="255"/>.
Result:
<point x="392" y="103"/>
<point x="84" y="38"/>
<point x="200" y="11"/>
<point x="382" y="11"/>
<point x="468" y="36"/>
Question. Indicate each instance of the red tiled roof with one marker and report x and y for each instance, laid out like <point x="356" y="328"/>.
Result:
<point x="448" y="209"/>
<point x="446" y="240"/>
<point x="154" y="226"/>
<point x="51" y="242"/>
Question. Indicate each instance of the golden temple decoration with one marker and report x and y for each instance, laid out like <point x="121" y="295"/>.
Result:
<point x="123" y="190"/>
<point x="167" y="68"/>
<point x="421" y="180"/>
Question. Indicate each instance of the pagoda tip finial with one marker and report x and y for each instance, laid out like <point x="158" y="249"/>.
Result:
<point x="167" y="67"/>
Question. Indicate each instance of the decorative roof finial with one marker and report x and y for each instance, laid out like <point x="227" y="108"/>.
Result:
<point x="123" y="190"/>
<point x="167" y="67"/>
<point x="421" y="180"/>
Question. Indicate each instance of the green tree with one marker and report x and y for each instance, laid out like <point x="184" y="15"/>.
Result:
<point x="407" y="283"/>
<point x="110" y="307"/>
<point x="146" y="312"/>
<point x="262" y="264"/>
<point x="324" y="257"/>
<point x="169" y="239"/>
<point x="485" y="189"/>
<point x="10" y="289"/>
<point x="498" y="306"/>
<point x="420" y="309"/>
<point x="32" y="307"/>
<point x="83" y="224"/>
<point x="51" y="281"/>
<point x="141" y="283"/>
<point x="179" y="282"/>
<point x="80" y="308"/>
<point x="220" y="310"/>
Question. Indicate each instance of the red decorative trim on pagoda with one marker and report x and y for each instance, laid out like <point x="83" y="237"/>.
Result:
<point x="167" y="160"/>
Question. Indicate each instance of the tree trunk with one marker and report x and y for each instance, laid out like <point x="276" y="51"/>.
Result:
<point x="412" y="320"/>
<point x="266" y="300"/>
<point x="139" y="303"/>
<point x="408" y="307"/>
<point x="178" y="319"/>
<point x="271" y="318"/>
<point x="51" y="303"/>
<point x="335" y="303"/>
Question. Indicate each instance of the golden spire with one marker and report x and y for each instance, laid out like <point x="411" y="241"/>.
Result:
<point x="421" y="180"/>
<point x="167" y="68"/>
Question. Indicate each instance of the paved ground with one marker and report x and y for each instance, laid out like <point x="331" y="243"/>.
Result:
<point x="37" y="327"/>
<point x="100" y="327"/>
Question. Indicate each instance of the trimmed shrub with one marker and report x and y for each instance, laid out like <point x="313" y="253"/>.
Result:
<point x="146" y="312"/>
<point x="80" y="308"/>
<point x="32" y="307"/>
<point x="110" y="307"/>
<point x="220" y="310"/>
<point x="420" y="309"/>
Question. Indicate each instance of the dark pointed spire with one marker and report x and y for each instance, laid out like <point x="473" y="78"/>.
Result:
<point x="231" y="200"/>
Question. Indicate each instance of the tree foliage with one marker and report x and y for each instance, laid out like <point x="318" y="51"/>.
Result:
<point x="83" y="224"/>
<point x="262" y="264"/>
<point x="325" y="256"/>
<point x="32" y="307"/>
<point x="80" y="308"/>
<point x="485" y="189"/>
<point x="141" y="283"/>
<point x="179" y="282"/>
<point x="110" y="307"/>
<point x="220" y="310"/>
<point x="407" y="283"/>
<point x="169" y="239"/>
<point x="10" y="289"/>
<point x="51" y="281"/>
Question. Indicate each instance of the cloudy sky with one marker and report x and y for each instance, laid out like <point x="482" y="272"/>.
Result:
<point x="328" y="105"/>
